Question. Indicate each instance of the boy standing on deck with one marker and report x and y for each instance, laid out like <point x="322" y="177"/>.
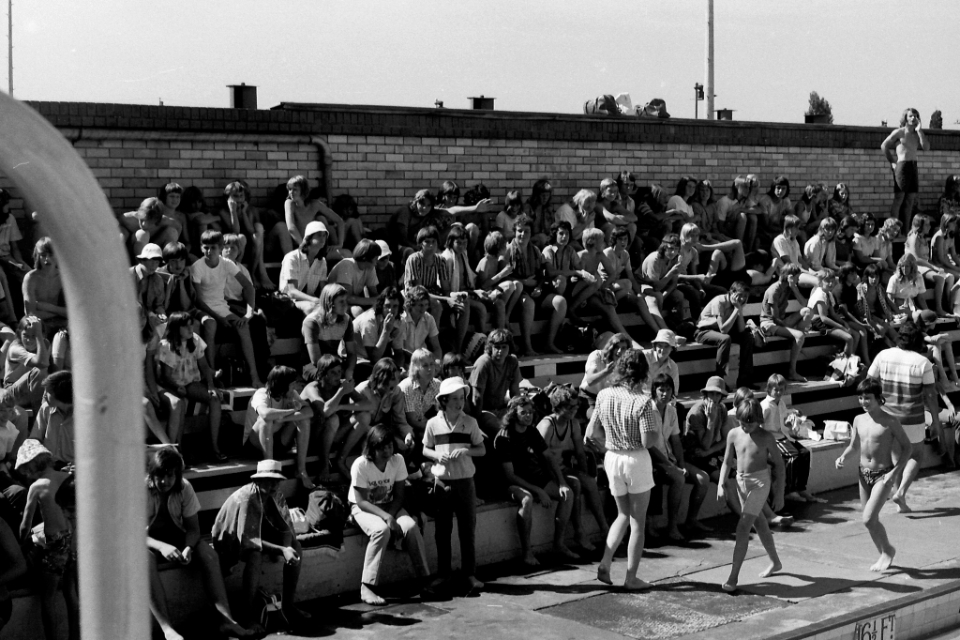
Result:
<point x="876" y="430"/>
<point x="754" y="449"/>
<point x="900" y="149"/>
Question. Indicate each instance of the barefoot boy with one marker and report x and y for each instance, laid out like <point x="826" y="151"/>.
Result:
<point x="876" y="430"/>
<point x="754" y="448"/>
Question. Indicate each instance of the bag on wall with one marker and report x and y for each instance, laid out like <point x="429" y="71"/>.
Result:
<point x="605" y="105"/>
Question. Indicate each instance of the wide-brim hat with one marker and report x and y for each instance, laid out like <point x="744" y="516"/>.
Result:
<point x="150" y="251"/>
<point x="666" y="337"/>
<point x="715" y="383"/>
<point x="29" y="450"/>
<point x="451" y="385"/>
<point x="269" y="469"/>
<point x="313" y="227"/>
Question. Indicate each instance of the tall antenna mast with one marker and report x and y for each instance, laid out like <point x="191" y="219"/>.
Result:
<point x="709" y="61"/>
<point x="10" y="47"/>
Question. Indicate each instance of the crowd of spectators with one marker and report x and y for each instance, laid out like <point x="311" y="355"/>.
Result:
<point x="391" y="320"/>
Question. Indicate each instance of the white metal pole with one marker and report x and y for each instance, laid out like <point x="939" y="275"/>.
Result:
<point x="108" y="371"/>
<point x="709" y="88"/>
<point x="10" y="47"/>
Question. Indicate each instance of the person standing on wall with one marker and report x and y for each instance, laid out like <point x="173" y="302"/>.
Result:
<point x="900" y="148"/>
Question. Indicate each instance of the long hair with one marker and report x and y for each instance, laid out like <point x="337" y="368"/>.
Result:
<point x="325" y="308"/>
<point x="44" y="247"/>
<point x="540" y="187"/>
<point x="379" y="438"/>
<point x="175" y="322"/>
<point x="512" y="417"/>
<point x="632" y="369"/>
<point x="163" y="461"/>
<point x="384" y="372"/>
<point x="279" y="380"/>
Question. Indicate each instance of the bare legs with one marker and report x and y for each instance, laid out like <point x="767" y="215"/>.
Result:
<point x="632" y="511"/>
<point x="744" y="525"/>
<point x="872" y="500"/>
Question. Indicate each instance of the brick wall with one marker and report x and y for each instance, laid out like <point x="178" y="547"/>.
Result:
<point x="383" y="155"/>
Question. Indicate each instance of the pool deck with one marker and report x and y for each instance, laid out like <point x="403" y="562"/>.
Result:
<point x="823" y="592"/>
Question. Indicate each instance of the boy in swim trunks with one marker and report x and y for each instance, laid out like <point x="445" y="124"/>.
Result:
<point x="876" y="430"/>
<point x="900" y="148"/>
<point x="754" y="449"/>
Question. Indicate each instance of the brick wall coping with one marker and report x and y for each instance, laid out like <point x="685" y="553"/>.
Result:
<point x="294" y="118"/>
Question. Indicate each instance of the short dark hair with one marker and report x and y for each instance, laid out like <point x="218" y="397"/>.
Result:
<point x="379" y="437"/>
<point x="163" y="461"/>
<point x="390" y="293"/>
<point x="60" y="386"/>
<point x="871" y="386"/>
<point x="175" y="251"/>
<point x="325" y="363"/>
<point x="383" y="372"/>
<point x="909" y="337"/>
<point x="662" y="380"/>
<point x="279" y="380"/>
<point x="750" y="411"/>
<point x="211" y="236"/>
<point x="428" y="232"/>
<point x="366" y="251"/>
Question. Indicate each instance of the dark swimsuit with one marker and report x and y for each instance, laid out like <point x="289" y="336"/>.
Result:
<point x="870" y="477"/>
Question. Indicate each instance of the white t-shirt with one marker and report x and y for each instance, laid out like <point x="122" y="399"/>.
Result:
<point x="789" y="248"/>
<point x="211" y="283"/>
<point x="364" y="474"/>
<point x="353" y="278"/>
<point x="678" y="203"/>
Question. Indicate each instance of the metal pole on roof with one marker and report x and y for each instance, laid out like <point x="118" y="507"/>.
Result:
<point x="10" y="47"/>
<point x="107" y="373"/>
<point x="709" y="61"/>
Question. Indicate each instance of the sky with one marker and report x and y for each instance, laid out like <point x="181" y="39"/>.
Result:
<point x="869" y="58"/>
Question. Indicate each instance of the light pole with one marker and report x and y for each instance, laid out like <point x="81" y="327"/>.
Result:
<point x="697" y="97"/>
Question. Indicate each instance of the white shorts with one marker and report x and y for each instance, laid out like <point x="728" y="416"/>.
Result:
<point x="628" y="471"/>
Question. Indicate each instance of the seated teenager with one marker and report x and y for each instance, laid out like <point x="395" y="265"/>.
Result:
<point x="299" y="211"/>
<point x="887" y="263"/>
<point x="493" y="275"/>
<point x="376" y="504"/>
<point x="541" y="210"/>
<point x="386" y="270"/>
<point x="775" y="204"/>
<point x="418" y="328"/>
<point x="254" y="527"/>
<point x="345" y="206"/>
<point x="874" y="308"/>
<point x="26" y="364"/>
<point x="12" y="265"/>
<point x="738" y="213"/>
<point x="839" y="204"/>
<point x="661" y="270"/>
<point x="179" y="293"/>
<point x="329" y="328"/>
<point x="533" y="477"/>
<point x="475" y="217"/>
<point x="849" y="227"/>
<point x="380" y="391"/>
<point x="495" y="379"/>
<point x="303" y="272"/>
<point x="776" y="321"/>
<point x="820" y="250"/>
<point x="600" y="370"/>
<point x="233" y="291"/>
<point x="53" y="427"/>
<point x="655" y="218"/>
<point x="563" y="436"/>
<point x="564" y="270"/>
<point x="148" y="224"/>
<point x="183" y="366"/>
<point x="580" y="214"/>
<point x="334" y="402"/>
<point x="358" y="275"/>
<point x="43" y="291"/>
<point x="173" y="535"/>
<point x="419" y="390"/>
<point x="705" y="214"/>
<point x="378" y="331"/>
<point x="866" y="242"/>
<point x="622" y="281"/>
<point x="906" y="289"/>
<point x="239" y="216"/>
<point x="811" y="208"/>
<point x="528" y="270"/>
<point x="170" y="196"/>
<point x="786" y="248"/>
<point x="682" y="197"/>
<point x="209" y="276"/>
<point x="611" y="212"/>
<point x="603" y="300"/>
<point x="507" y="218"/>
<point x="277" y="419"/>
<point x="721" y="267"/>
<point x="463" y="279"/>
<point x="827" y="320"/>
<point x="670" y="467"/>
<point x="721" y="322"/>
<point x="406" y="223"/>
<point x="426" y="268"/>
<point x="943" y="254"/>
<point x="918" y="245"/>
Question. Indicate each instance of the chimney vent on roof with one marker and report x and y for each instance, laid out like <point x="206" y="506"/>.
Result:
<point x="242" y="96"/>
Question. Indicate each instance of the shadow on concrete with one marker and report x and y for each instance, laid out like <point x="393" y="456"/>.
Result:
<point x="936" y="512"/>
<point x="817" y="586"/>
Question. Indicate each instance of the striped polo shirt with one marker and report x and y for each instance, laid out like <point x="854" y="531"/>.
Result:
<point x="443" y="437"/>
<point x="903" y="375"/>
